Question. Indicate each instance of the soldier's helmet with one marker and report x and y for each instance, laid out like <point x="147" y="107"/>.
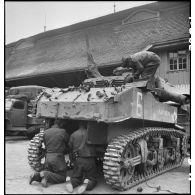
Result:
<point x="126" y="61"/>
<point x="60" y="122"/>
<point x="83" y="124"/>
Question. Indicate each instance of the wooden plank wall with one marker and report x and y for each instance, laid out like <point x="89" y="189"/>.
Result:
<point x="174" y="77"/>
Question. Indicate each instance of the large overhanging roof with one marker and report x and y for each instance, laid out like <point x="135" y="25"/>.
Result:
<point x="110" y="38"/>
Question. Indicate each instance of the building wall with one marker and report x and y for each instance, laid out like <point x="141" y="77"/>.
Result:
<point x="177" y="77"/>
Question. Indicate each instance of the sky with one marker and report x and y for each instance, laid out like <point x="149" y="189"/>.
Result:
<point x="24" y="19"/>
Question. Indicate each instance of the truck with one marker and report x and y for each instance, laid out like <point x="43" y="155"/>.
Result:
<point x="133" y="129"/>
<point x="19" y="107"/>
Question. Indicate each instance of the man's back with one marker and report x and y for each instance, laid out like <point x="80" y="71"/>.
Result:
<point x="55" y="140"/>
<point x="145" y="57"/>
<point x="77" y="139"/>
<point x="78" y="143"/>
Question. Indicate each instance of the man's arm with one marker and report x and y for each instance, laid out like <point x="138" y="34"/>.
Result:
<point x="66" y="139"/>
<point x="43" y="150"/>
<point x="44" y="138"/>
<point x="70" y="145"/>
<point x="139" y="69"/>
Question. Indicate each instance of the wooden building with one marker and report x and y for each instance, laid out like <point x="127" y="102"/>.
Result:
<point x="58" y="57"/>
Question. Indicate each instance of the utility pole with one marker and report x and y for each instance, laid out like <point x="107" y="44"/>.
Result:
<point x="45" y="24"/>
<point x="114" y="7"/>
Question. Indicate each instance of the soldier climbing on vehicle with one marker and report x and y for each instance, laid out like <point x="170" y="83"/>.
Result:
<point x="144" y="63"/>
<point x="82" y="155"/>
<point x="56" y="144"/>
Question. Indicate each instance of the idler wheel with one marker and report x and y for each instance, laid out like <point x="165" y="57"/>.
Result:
<point x="36" y="152"/>
<point x="126" y="167"/>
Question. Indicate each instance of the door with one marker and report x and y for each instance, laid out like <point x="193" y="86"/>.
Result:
<point x="19" y="113"/>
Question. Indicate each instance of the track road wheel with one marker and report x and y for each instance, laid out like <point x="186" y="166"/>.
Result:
<point x="119" y="164"/>
<point x="126" y="168"/>
<point x="36" y="152"/>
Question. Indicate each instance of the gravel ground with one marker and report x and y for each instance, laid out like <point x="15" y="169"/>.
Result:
<point x="17" y="177"/>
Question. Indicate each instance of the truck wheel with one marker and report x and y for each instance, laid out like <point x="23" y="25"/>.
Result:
<point x="36" y="152"/>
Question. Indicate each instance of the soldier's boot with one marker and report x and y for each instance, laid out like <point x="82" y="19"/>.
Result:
<point x="43" y="179"/>
<point x="44" y="182"/>
<point x="68" y="185"/>
<point x="35" y="177"/>
<point x="83" y="187"/>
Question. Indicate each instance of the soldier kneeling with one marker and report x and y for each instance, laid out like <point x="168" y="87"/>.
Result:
<point x="84" y="171"/>
<point x="56" y="143"/>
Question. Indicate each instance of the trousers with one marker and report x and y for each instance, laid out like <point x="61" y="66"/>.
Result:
<point x="84" y="168"/>
<point x="149" y="70"/>
<point x="55" y="168"/>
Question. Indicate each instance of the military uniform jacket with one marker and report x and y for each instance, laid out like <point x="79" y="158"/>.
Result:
<point x="143" y="60"/>
<point x="78" y="144"/>
<point x="55" y="140"/>
<point x="145" y="57"/>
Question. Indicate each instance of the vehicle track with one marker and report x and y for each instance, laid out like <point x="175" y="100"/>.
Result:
<point x="113" y="156"/>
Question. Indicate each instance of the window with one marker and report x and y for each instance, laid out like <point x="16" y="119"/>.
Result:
<point x="18" y="105"/>
<point x="178" y="60"/>
<point x="8" y="103"/>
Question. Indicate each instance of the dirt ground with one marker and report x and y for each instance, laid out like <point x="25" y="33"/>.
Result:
<point x="17" y="173"/>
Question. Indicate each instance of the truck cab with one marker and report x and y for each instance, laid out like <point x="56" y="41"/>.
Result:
<point x="16" y="111"/>
<point x="19" y="108"/>
<point x="16" y="114"/>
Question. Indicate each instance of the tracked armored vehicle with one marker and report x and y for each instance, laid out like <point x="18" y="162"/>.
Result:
<point x="133" y="131"/>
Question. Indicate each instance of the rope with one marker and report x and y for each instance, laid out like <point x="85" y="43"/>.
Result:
<point x="158" y="189"/>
